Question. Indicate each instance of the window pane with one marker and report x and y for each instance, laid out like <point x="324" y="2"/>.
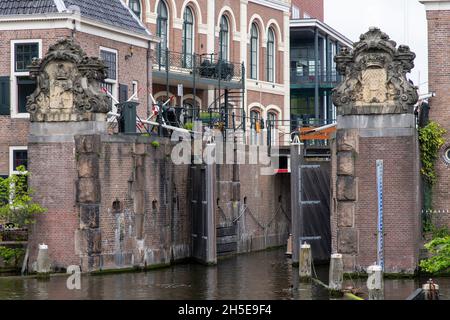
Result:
<point x="254" y="53"/>
<point x="188" y="39"/>
<point x="110" y="60"/>
<point x="271" y="56"/>
<point x="24" y="54"/>
<point x="161" y="32"/>
<point x="135" y="6"/>
<point x="25" y="88"/>
<point x="224" y="36"/>
<point x="20" y="158"/>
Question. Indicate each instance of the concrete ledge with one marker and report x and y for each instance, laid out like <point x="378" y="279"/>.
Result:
<point x="45" y="132"/>
<point x="387" y="132"/>
<point x="382" y="121"/>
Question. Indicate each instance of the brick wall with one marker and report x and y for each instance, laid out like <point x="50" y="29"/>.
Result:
<point x="53" y="180"/>
<point x="401" y="219"/>
<point x="355" y="234"/>
<point x="259" y="204"/>
<point x="13" y="131"/>
<point x="314" y="8"/>
<point x="439" y="82"/>
<point x="166" y="228"/>
<point x="232" y="9"/>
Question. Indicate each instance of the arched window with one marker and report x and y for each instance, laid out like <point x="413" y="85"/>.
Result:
<point x="254" y="45"/>
<point x="135" y="6"/>
<point x="224" y="38"/>
<point x="271" y="56"/>
<point x="255" y="126"/>
<point x="188" y="38"/>
<point x="161" y="31"/>
<point x="272" y="117"/>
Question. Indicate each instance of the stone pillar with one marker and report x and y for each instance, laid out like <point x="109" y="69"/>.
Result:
<point x="87" y="148"/>
<point x="375" y="283"/>
<point x="68" y="113"/>
<point x="375" y="107"/>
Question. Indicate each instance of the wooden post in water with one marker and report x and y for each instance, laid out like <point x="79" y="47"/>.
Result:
<point x="305" y="260"/>
<point x="289" y="246"/>
<point x="375" y="283"/>
<point x="43" y="261"/>
<point x="336" y="274"/>
<point x="431" y="290"/>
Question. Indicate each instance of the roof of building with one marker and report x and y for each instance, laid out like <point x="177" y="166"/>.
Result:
<point x="10" y="7"/>
<point x="300" y="23"/>
<point x="114" y="13"/>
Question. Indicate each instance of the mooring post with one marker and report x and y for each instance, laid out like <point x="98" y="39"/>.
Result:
<point x="289" y="246"/>
<point x="43" y="261"/>
<point x="305" y="261"/>
<point x="431" y="290"/>
<point x="375" y="282"/>
<point x="296" y="198"/>
<point x="336" y="273"/>
<point x="211" y="251"/>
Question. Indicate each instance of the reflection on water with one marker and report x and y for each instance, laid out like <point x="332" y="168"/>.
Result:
<point x="263" y="275"/>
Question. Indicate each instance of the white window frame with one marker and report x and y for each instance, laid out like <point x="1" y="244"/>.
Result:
<point x="275" y="50"/>
<point x="14" y="75"/>
<point x="11" y="158"/>
<point x="258" y="44"/>
<point x="295" y="12"/>
<point x="135" y="89"/>
<point x="113" y="82"/>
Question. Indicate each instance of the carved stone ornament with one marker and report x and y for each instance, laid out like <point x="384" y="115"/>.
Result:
<point x="68" y="86"/>
<point x="374" y="77"/>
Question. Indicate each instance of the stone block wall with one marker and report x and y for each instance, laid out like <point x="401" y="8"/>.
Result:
<point x="113" y="202"/>
<point x="355" y="202"/>
<point x="259" y="206"/>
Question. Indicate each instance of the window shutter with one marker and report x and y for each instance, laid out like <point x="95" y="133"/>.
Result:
<point x="123" y="93"/>
<point x="5" y="106"/>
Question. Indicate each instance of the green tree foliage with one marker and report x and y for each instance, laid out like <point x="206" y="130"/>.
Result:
<point x="431" y="140"/>
<point x="16" y="202"/>
<point x="440" y="261"/>
<point x="10" y="255"/>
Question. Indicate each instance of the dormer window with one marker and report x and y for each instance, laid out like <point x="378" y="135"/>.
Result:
<point x="135" y="6"/>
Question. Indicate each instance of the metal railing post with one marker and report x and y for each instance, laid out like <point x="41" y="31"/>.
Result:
<point x="167" y="73"/>
<point x="194" y="71"/>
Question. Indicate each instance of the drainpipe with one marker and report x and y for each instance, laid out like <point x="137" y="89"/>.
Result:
<point x="316" y="85"/>
<point x="149" y="79"/>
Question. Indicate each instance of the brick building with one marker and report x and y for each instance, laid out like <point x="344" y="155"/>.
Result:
<point x="438" y="16"/>
<point x="249" y="40"/>
<point x="307" y="9"/>
<point x="28" y="28"/>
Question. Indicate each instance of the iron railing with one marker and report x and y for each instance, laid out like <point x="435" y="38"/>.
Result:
<point x="325" y="78"/>
<point x="202" y="66"/>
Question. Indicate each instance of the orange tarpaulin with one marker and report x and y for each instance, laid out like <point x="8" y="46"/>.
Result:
<point x="309" y="133"/>
<point x="258" y="127"/>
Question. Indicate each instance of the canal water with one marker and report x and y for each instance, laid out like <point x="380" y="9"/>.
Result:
<point x="264" y="275"/>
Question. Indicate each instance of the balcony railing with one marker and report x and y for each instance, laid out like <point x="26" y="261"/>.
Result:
<point x="202" y="66"/>
<point x="327" y="78"/>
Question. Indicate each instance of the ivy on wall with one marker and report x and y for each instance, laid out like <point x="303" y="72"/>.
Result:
<point x="431" y="140"/>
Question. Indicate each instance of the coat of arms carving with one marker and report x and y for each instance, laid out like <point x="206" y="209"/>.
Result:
<point x="68" y="86"/>
<point x="374" y="77"/>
